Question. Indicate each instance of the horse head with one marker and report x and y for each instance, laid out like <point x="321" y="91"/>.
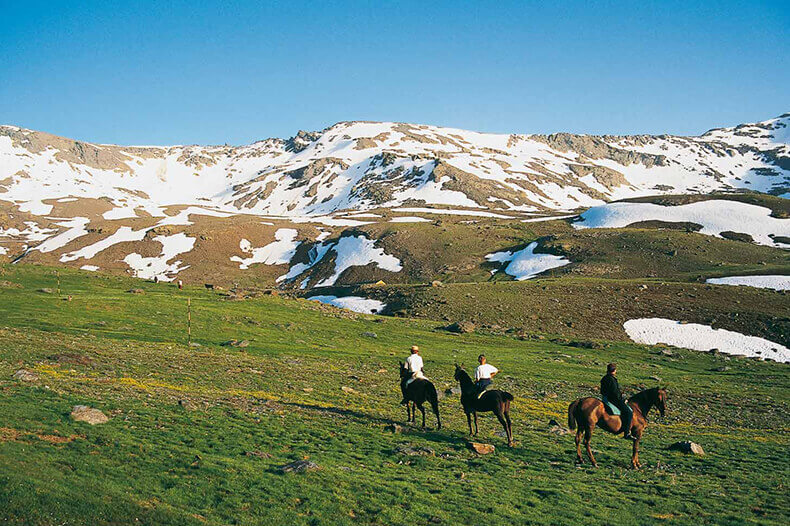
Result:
<point x="661" y="402"/>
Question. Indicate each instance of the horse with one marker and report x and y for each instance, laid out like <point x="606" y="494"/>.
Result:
<point x="589" y="412"/>
<point x="417" y="393"/>
<point x="493" y="400"/>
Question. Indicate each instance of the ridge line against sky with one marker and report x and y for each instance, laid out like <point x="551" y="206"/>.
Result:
<point x="236" y="72"/>
<point x="322" y="130"/>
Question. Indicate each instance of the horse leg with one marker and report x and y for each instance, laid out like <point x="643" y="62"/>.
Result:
<point x="469" y="421"/>
<point x="476" y="430"/>
<point x="579" y="432"/>
<point x="501" y="417"/>
<point x="635" y="455"/>
<point x="587" y="437"/>
<point x="422" y="410"/>
<point x="509" y="428"/>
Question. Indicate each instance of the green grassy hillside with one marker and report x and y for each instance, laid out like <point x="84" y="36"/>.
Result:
<point x="197" y="434"/>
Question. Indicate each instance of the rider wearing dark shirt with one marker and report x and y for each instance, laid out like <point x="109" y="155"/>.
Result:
<point x="610" y="390"/>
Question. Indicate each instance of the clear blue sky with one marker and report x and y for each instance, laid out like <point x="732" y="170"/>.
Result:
<point x="215" y="72"/>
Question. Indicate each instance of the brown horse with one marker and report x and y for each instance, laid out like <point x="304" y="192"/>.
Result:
<point x="589" y="412"/>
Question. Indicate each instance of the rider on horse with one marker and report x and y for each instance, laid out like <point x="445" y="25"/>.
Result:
<point x="610" y="390"/>
<point x="413" y="365"/>
<point x="484" y="374"/>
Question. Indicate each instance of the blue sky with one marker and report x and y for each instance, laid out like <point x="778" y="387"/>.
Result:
<point x="216" y="72"/>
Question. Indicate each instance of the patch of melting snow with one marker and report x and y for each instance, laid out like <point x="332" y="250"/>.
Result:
<point x="182" y="217"/>
<point x="547" y="218"/>
<point x="763" y="282"/>
<point x="120" y="212"/>
<point x="354" y="303"/>
<point x="75" y="228"/>
<point x="715" y="216"/>
<point x="121" y="235"/>
<point x="352" y="251"/>
<point x="328" y="221"/>
<point x="279" y="252"/>
<point x="652" y="331"/>
<point x="409" y="219"/>
<point x="358" y="251"/>
<point x="480" y="213"/>
<point x="525" y="263"/>
<point x="3" y="251"/>
<point x="92" y="268"/>
<point x="160" y="266"/>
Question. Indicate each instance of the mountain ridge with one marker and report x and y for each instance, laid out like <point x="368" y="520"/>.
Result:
<point x="359" y="165"/>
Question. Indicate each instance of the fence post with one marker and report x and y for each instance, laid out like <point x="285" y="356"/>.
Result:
<point x="189" y="322"/>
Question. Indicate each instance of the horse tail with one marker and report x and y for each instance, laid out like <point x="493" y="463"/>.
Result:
<point x="571" y="415"/>
<point x="433" y="399"/>
<point x="507" y="397"/>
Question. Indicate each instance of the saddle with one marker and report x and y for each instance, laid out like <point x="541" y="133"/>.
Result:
<point x="487" y="388"/>
<point x="611" y="408"/>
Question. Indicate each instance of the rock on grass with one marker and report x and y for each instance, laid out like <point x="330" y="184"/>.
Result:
<point x="481" y="449"/>
<point x="299" y="466"/>
<point x="83" y="413"/>
<point x="25" y="376"/>
<point x="414" y="451"/>
<point x="688" y="447"/>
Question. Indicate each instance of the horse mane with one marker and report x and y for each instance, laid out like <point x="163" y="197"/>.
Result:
<point x="645" y="399"/>
<point x="463" y="375"/>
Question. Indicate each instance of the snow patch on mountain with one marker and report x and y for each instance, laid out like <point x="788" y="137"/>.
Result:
<point x="353" y="303"/>
<point x="652" y="331"/>
<point x="75" y="228"/>
<point x="715" y="217"/>
<point x="358" y="251"/>
<point x="160" y="266"/>
<point x="278" y="252"/>
<point x="525" y="263"/>
<point x="763" y="282"/>
<point x="122" y="235"/>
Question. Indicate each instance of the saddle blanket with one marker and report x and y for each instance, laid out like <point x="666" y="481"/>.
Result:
<point x="611" y="408"/>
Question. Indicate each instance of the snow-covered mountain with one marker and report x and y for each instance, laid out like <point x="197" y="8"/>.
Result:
<point x="318" y="209"/>
<point x="364" y="165"/>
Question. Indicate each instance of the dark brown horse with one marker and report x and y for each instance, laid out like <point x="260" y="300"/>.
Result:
<point x="495" y="400"/>
<point x="588" y="412"/>
<point x="417" y="393"/>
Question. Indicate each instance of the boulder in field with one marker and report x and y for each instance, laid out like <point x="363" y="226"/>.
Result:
<point x="461" y="327"/>
<point x="299" y="466"/>
<point x="414" y="451"/>
<point x="136" y="291"/>
<point x="187" y="405"/>
<point x="25" y="376"/>
<point x="46" y="291"/>
<point x="481" y="449"/>
<point x="687" y="446"/>
<point x="394" y="428"/>
<point x="349" y="390"/>
<point x="93" y="416"/>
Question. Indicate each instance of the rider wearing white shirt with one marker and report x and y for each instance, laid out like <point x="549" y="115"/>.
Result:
<point x="413" y="364"/>
<point x="484" y="373"/>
